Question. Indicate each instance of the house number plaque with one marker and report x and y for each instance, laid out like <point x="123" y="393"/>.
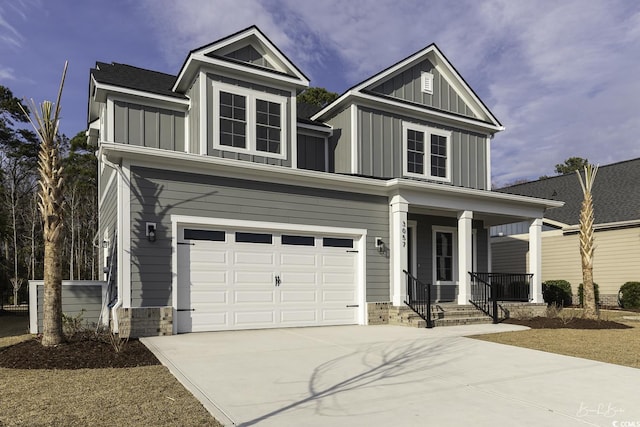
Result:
<point x="403" y="233"/>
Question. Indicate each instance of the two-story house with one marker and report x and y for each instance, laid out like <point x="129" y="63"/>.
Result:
<point x="223" y="206"/>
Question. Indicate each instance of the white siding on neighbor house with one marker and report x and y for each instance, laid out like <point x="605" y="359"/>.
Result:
<point x="616" y="259"/>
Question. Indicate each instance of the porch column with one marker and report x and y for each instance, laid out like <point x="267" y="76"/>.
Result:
<point x="399" y="262"/>
<point x="535" y="259"/>
<point x="465" y="256"/>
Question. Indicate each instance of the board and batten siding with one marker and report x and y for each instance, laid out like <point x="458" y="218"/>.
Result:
<point x="614" y="263"/>
<point x="340" y="142"/>
<point x="212" y="127"/>
<point x="194" y="117"/>
<point x="158" y="194"/>
<point x="76" y="296"/>
<point x="148" y="126"/>
<point x="407" y="86"/>
<point x="381" y="149"/>
<point x="311" y="152"/>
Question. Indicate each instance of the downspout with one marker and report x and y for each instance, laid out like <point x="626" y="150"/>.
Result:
<point x="118" y="304"/>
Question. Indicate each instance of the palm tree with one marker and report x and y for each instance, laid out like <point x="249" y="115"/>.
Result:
<point x="586" y="240"/>
<point x="51" y="208"/>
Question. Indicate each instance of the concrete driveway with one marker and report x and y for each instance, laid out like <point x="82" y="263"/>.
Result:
<point x="391" y="375"/>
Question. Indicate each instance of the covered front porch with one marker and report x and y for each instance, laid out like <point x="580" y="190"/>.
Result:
<point x="441" y="238"/>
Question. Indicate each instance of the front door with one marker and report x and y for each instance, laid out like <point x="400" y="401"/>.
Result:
<point x="445" y="263"/>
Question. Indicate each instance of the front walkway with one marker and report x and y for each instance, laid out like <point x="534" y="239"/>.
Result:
<point x="391" y="375"/>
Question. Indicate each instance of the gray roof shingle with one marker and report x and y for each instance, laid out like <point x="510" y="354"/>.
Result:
<point x="131" y="77"/>
<point x="616" y="193"/>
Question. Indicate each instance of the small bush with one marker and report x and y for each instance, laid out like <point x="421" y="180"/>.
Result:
<point x="629" y="295"/>
<point x="596" y="291"/>
<point x="72" y="325"/>
<point x="557" y="292"/>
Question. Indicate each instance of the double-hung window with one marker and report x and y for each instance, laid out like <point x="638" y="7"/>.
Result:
<point x="427" y="152"/>
<point x="249" y="122"/>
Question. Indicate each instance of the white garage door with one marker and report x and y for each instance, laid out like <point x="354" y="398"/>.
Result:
<point x="231" y="279"/>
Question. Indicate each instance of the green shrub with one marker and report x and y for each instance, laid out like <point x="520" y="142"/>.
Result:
<point x="596" y="291"/>
<point x="557" y="292"/>
<point x="629" y="295"/>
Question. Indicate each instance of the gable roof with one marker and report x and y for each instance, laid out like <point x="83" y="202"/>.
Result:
<point x="135" y="78"/>
<point x="616" y="194"/>
<point x="221" y="53"/>
<point x="435" y="55"/>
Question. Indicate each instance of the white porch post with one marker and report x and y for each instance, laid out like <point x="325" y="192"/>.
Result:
<point x="535" y="259"/>
<point x="465" y="259"/>
<point x="399" y="262"/>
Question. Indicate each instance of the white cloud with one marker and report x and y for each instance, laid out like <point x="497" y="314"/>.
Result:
<point x="561" y="76"/>
<point x="6" y="74"/>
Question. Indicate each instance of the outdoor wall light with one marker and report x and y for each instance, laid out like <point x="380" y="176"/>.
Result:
<point x="380" y="245"/>
<point x="151" y="231"/>
<point x="105" y="244"/>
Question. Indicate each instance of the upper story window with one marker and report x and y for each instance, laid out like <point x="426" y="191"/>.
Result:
<point x="249" y="122"/>
<point x="426" y="152"/>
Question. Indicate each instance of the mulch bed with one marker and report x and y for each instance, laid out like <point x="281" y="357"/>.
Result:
<point x="573" y="323"/>
<point x="79" y="352"/>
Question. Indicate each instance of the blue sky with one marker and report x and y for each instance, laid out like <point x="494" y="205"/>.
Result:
<point x="562" y="76"/>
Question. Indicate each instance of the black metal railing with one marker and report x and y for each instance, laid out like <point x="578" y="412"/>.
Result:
<point x="482" y="296"/>
<point x="9" y="303"/>
<point x="419" y="298"/>
<point x="508" y="286"/>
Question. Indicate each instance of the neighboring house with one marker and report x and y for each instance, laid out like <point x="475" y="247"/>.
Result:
<point x="223" y="205"/>
<point x="616" y="200"/>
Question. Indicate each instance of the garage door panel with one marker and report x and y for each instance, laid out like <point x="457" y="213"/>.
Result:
<point x="340" y="315"/>
<point x="253" y="258"/>
<point x="208" y="297"/>
<point x="202" y="322"/>
<point x="338" y="278"/>
<point x="298" y="297"/>
<point x="204" y="256"/>
<point x="265" y="297"/>
<point x="254" y="318"/>
<point x="298" y="260"/>
<point x="253" y="278"/>
<point x="208" y="278"/>
<point x="333" y="296"/>
<point x="294" y="317"/>
<point x="298" y="278"/>
<point x="345" y="260"/>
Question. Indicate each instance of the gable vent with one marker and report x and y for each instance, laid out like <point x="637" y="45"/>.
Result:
<point x="427" y="83"/>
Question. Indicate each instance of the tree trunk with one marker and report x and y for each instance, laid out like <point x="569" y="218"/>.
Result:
<point x="52" y="308"/>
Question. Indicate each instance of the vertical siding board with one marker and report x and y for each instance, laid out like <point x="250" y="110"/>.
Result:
<point x="179" y="130"/>
<point x="135" y="119"/>
<point x="167" y="132"/>
<point x="120" y="113"/>
<point x="150" y="124"/>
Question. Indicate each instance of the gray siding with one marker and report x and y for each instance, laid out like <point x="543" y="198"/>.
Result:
<point x="381" y="149"/>
<point x="148" y="126"/>
<point x="340" y="142"/>
<point x="107" y="215"/>
<point x="211" y="127"/>
<point x="407" y="86"/>
<point x="74" y="299"/>
<point x="311" y="152"/>
<point x="194" y="117"/>
<point x="157" y="194"/>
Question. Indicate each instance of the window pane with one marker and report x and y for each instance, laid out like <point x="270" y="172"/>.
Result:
<point x="438" y="156"/>
<point x="261" y="145"/>
<point x="214" y="236"/>
<point x="226" y="98"/>
<point x="415" y="151"/>
<point x="298" y="240"/>
<point x="253" y="237"/>
<point x="337" y="243"/>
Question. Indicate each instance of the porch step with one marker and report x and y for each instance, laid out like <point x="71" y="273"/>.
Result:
<point x="447" y="314"/>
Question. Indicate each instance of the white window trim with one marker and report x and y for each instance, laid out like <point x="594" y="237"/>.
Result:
<point x="428" y="131"/>
<point x="251" y="98"/>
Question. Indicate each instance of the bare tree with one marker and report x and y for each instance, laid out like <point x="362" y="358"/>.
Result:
<point x="587" y="240"/>
<point x="46" y="125"/>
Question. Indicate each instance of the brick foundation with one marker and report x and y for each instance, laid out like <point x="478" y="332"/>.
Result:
<point x="378" y="313"/>
<point x="145" y="321"/>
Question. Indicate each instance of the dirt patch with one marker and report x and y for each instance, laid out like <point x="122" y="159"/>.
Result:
<point x="82" y="351"/>
<point x="564" y="323"/>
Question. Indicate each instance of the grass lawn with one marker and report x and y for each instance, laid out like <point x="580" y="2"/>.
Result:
<point x="142" y="396"/>
<point x="618" y="346"/>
